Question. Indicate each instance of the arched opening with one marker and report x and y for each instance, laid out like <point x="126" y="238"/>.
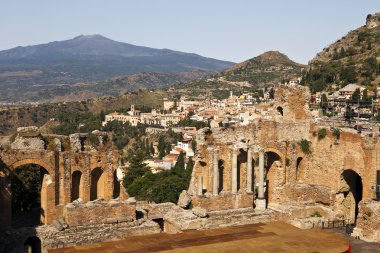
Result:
<point x="29" y="187"/>
<point x="270" y="173"/>
<point x="97" y="184"/>
<point x="116" y="186"/>
<point x="299" y="169"/>
<point x="352" y="195"/>
<point x="221" y="175"/>
<point x="241" y="168"/>
<point x="280" y="110"/>
<point x="76" y="185"/>
<point x="32" y="245"/>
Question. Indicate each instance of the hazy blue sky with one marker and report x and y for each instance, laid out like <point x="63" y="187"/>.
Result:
<point x="232" y="30"/>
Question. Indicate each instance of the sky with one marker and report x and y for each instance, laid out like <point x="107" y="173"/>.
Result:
<point x="233" y="30"/>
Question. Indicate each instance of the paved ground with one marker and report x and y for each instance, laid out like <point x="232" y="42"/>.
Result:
<point x="358" y="246"/>
<point x="261" y="238"/>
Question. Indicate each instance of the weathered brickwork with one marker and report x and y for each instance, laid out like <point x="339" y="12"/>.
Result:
<point x="337" y="174"/>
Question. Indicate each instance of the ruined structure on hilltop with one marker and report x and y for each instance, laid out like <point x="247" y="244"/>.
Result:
<point x="283" y="165"/>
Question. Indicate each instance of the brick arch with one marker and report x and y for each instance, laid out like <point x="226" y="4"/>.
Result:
<point x="47" y="193"/>
<point x="272" y="178"/>
<point x="27" y="161"/>
<point x="274" y="150"/>
<point x="98" y="180"/>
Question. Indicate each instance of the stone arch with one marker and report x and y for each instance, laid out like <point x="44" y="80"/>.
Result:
<point x="116" y="185"/>
<point x="27" y="161"/>
<point x="273" y="160"/>
<point x="351" y="193"/>
<point x="300" y="170"/>
<point x="32" y="245"/>
<point x="46" y="192"/>
<point x="76" y="185"/>
<point x="221" y="172"/>
<point x="97" y="184"/>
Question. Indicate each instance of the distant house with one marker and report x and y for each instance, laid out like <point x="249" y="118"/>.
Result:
<point x="349" y="89"/>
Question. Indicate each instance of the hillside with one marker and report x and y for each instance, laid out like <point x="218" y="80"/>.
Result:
<point x="90" y="58"/>
<point x="267" y="69"/>
<point x="352" y="59"/>
<point x="111" y="87"/>
<point x="85" y="111"/>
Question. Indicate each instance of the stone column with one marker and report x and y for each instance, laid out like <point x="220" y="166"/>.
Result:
<point x="200" y="185"/>
<point x="215" y="188"/>
<point x="234" y="171"/>
<point x="249" y="170"/>
<point x="261" y="202"/>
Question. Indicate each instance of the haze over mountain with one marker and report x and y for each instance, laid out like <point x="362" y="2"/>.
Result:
<point x="90" y="58"/>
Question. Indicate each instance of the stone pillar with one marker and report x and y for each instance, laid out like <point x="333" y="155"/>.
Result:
<point x="261" y="201"/>
<point x="200" y="185"/>
<point x="249" y="170"/>
<point x="234" y="171"/>
<point x="215" y="188"/>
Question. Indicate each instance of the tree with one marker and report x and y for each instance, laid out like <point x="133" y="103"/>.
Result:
<point x="271" y="93"/>
<point x="324" y="101"/>
<point x="135" y="170"/>
<point x="356" y="95"/>
<point x="365" y="97"/>
<point x="179" y="167"/>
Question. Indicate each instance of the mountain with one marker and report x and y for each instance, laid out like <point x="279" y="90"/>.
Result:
<point x="354" y="58"/>
<point x="91" y="58"/>
<point x="111" y="87"/>
<point x="267" y="69"/>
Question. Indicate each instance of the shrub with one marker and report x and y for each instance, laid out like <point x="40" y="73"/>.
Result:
<point x="316" y="214"/>
<point x="322" y="133"/>
<point x="336" y="132"/>
<point x="305" y="146"/>
<point x="287" y="161"/>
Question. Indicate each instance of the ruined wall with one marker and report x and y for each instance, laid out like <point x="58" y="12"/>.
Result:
<point x="58" y="185"/>
<point x="368" y="222"/>
<point x="98" y="211"/>
<point x="330" y="175"/>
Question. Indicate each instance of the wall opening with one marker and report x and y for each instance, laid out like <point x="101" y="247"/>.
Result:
<point x="241" y="168"/>
<point x="97" y="184"/>
<point x="32" y="245"/>
<point x="354" y="182"/>
<point x="270" y="173"/>
<point x="299" y="169"/>
<point x="378" y="184"/>
<point x="29" y="187"/>
<point x="221" y="177"/>
<point x="280" y="110"/>
<point x="76" y="185"/>
<point x="116" y="186"/>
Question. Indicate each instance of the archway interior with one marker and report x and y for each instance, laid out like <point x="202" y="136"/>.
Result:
<point x="299" y="169"/>
<point x="116" y="186"/>
<point x="270" y="174"/>
<point x="32" y="245"/>
<point x="221" y="173"/>
<point x="27" y="188"/>
<point x="76" y="185"/>
<point x="241" y="167"/>
<point x="97" y="184"/>
<point x="280" y="110"/>
<point x="354" y="181"/>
